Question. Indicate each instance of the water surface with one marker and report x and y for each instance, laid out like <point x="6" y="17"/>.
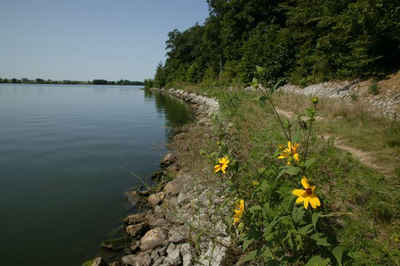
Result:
<point x="67" y="154"/>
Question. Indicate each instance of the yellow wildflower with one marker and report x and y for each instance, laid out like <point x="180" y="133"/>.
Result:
<point x="255" y="183"/>
<point x="222" y="165"/>
<point x="290" y="152"/>
<point x="306" y="195"/>
<point x="238" y="212"/>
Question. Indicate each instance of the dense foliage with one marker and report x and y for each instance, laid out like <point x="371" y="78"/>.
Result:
<point x="302" y="41"/>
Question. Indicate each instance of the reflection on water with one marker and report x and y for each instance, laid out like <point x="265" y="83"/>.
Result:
<point x="67" y="157"/>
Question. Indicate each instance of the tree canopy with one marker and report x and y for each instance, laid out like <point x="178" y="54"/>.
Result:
<point x="302" y="41"/>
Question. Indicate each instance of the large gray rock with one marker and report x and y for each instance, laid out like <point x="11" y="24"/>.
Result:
<point x="177" y="234"/>
<point x="186" y="254"/>
<point x="173" y="257"/>
<point x="155" y="199"/>
<point x="156" y="219"/>
<point x="214" y="255"/>
<point x="173" y="187"/>
<point x="141" y="259"/>
<point x="152" y="239"/>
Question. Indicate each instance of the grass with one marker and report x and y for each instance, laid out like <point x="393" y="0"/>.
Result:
<point x="374" y="88"/>
<point x="361" y="204"/>
<point x="356" y="127"/>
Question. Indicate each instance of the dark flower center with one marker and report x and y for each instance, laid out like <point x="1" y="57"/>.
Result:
<point x="308" y="191"/>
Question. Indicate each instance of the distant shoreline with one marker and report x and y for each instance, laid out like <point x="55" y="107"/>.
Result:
<point x="72" y="82"/>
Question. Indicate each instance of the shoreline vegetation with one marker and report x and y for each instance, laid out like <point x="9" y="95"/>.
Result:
<point x="299" y="202"/>
<point x="305" y="151"/>
<point x="71" y="82"/>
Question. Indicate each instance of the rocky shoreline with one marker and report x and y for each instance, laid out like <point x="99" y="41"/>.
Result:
<point x="183" y="224"/>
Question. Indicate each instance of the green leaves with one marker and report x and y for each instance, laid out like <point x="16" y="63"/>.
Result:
<point x="315" y="218"/>
<point x="251" y="256"/>
<point x="320" y="239"/>
<point x="290" y="170"/>
<point x="338" y="254"/>
<point x="309" y="163"/>
<point x="318" y="261"/>
<point x="298" y="214"/>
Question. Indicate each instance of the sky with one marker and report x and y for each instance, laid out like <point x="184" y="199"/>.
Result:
<point x="90" y="39"/>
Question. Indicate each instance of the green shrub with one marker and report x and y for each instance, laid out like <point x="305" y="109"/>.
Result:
<point x="374" y="88"/>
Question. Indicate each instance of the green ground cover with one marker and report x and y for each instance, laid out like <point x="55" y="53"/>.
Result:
<point x="358" y="220"/>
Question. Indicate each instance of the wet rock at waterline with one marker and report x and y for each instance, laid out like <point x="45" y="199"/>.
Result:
<point x="168" y="159"/>
<point x="136" y="229"/>
<point x="135" y="218"/>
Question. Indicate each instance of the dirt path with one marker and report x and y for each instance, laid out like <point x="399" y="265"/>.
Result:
<point x="365" y="158"/>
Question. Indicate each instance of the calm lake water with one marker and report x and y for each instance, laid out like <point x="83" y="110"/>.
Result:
<point x="68" y="153"/>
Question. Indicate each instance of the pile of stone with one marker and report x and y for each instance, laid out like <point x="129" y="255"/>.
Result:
<point x="201" y="104"/>
<point x="184" y="222"/>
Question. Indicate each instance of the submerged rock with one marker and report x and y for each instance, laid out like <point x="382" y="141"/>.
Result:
<point x="98" y="262"/>
<point x="114" y="244"/>
<point x="133" y="197"/>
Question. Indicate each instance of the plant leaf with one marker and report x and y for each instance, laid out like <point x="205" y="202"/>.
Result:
<point x="309" y="163"/>
<point x="320" y="239"/>
<point x="298" y="215"/>
<point x="249" y="257"/>
<point x="305" y="230"/>
<point x="247" y="243"/>
<point x="267" y="253"/>
<point x="338" y="253"/>
<point x="315" y="218"/>
<point x="291" y="170"/>
<point x="317" y="261"/>
<point x="259" y="69"/>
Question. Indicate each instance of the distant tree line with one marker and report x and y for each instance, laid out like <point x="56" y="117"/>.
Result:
<point x="71" y="82"/>
<point x="300" y="41"/>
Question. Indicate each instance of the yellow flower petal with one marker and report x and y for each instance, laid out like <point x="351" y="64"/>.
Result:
<point x="241" y="204"/>
<point x="296" y="157"/>
<point x="306" y="203"/>
<point x="304" y="182"/>
<point x="217" y="168"/>
<point x="299" y="200"/>
<point x="281" y="157"/>
<point x="298" y="192"/>
<point x="314" y="201"/>
<point x="289" y="144"/>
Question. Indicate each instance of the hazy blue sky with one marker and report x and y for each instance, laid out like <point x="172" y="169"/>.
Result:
<point x="88" y="39"/>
